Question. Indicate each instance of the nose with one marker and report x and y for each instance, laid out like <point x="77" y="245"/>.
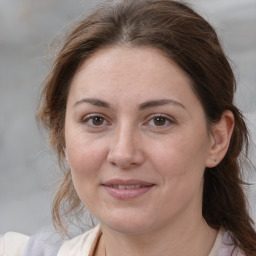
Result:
<point x="125" y="149"/>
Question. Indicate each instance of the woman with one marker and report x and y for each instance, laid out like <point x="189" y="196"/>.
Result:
<point x="139" y="108"/>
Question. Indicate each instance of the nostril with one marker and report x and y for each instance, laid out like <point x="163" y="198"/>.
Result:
<point x="125" y="161"/>
<point x="121" y="160"/>
<point x="125" y="152"/>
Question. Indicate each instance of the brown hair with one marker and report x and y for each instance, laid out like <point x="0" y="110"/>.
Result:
<point x="192" y="43"/>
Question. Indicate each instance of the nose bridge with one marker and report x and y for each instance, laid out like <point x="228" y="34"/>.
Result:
<point x="123" y="141"/>
<point x="125" y="150"/>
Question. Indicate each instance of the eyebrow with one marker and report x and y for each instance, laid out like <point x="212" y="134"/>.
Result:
<point x="142" y="106"/>
<point x="93" y="101"/>
<point x="161" y="102"/>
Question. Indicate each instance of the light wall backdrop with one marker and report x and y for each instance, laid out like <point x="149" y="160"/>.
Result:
<point x="28" y="169"/>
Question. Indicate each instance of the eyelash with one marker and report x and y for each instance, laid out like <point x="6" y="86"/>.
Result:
<point x="165" y="118"/>
<point x="88" y="120"/>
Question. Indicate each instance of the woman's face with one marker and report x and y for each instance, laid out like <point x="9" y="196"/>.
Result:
<point x="136" y="140"/>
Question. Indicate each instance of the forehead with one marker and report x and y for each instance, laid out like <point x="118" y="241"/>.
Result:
<point x="120" y="68"/>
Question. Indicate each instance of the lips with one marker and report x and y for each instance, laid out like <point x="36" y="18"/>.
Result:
<point x="127" y="189"/>
<point x="127" y="186"/>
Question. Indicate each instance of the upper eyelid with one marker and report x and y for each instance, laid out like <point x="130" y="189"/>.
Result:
<point x="169" y="119"/>
<point x="87" y="121"/>
<point x="147" y="118"/>
<point x="151" y="116"/>
<point x="89" y="116"/>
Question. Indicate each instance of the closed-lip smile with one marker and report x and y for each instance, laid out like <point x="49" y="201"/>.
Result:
<point x="127" y="189"/>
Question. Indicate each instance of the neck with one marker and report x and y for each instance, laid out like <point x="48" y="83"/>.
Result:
<point x="194" y="239"/>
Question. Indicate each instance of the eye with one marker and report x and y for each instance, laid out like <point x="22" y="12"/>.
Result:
<point x="160" y="121"/>
<point x="95" y="121"/>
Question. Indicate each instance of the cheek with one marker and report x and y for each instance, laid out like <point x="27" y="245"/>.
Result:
<point x="82" y="149"/>
<point x="86" y="157"/>
<point x="181" y="167"/>
<point x="84" y="160"/>
<point x="85" y="165"/>
<point x="181" y="159"/>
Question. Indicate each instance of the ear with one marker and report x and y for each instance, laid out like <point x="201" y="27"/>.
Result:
<point x="220" y="138"/>
<point x="66" y="156"/>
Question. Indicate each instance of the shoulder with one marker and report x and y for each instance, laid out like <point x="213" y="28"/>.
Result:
<point x="227" y="246"/>
<point x="16" y="244"/>
<point x="13" y="244"/>
<point x="224" y="245"/>
<point x="40" y="244"/>
<point x="81" y="245"/>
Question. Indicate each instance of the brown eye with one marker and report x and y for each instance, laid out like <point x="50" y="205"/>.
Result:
<point x="97" y="120"/>
<point x="159" y="121"/>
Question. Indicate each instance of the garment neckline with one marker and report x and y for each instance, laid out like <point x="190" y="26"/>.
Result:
<point x="214" y="251"/>
<point x="218" y="241"/>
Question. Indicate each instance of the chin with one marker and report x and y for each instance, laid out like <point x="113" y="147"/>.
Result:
<point x="127" y="223"/>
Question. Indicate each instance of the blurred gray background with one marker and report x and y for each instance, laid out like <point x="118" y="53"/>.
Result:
<point x="28" y="168"/>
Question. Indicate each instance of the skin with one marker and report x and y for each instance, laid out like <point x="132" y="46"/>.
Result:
<point x="151" y="127"/>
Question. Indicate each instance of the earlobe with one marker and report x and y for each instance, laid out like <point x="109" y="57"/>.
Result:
<point x="66" y="156"/>
<point x="220" y="138"/>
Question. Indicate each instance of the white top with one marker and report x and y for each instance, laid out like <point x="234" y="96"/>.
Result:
<point x="15" y="244"/>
